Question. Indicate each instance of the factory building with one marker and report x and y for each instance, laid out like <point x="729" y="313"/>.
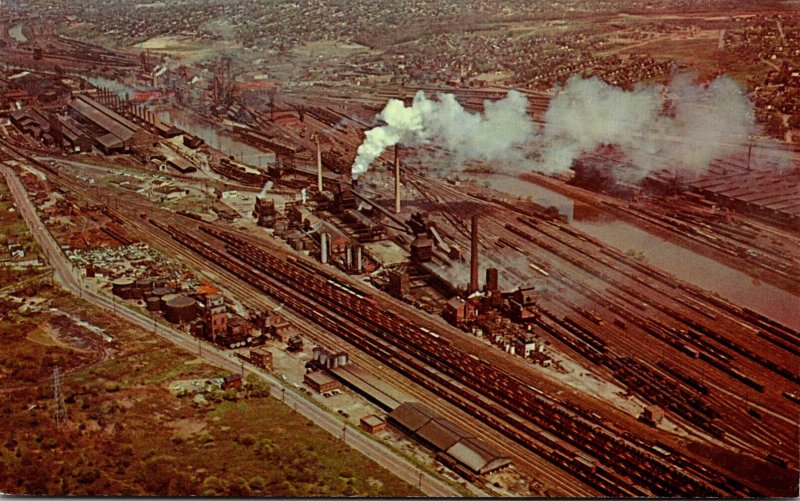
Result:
<point x="112" y="132"/>
<point x="74" y="136"/>
<point x="522" y="304"/>
<point x="261" y="358"/>
<point x="215" y="316"/>
<point x="321" y="382"/>
<point x="454" y="446"/>
<point x="459" y="312"/>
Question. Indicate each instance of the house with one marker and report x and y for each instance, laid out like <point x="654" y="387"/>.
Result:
<point x="232" y="381"/>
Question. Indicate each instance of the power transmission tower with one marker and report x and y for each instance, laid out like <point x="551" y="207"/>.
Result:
<point x="60" y="409"/>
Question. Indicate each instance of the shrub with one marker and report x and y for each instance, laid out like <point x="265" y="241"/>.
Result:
<point x="247" y="440"/>
<point x="87" y="475"/>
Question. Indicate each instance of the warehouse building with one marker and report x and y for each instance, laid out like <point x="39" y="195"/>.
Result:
<point x="321" y="382"/>
<point x="453" y="445"/>
<point x="113" y="133"/>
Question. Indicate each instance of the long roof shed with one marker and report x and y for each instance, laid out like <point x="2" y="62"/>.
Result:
<point x="447" y="438"/>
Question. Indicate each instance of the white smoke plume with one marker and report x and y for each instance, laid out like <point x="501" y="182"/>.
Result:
<point x="493" y="135"/>
<point x="265" y="190"/>
<point x="681" y="126"/>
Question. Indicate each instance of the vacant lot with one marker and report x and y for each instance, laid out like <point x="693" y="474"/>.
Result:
<point x="128" y="435"/>
<point x="13" y="230"/>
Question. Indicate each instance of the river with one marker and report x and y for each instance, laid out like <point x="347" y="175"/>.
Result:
<point x="119" y="88"/>
<point x="686" y="265"/>
<point x="225" y="143"/>
<point x="15" y="32"/>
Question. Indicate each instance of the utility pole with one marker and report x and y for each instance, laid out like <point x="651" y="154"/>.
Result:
<point x="60" y="413"/>
<point x="344" y="433"/>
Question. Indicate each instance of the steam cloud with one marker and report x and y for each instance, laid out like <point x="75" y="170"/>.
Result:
<point x="493" y="135"/>
<point x="680" y="126"/>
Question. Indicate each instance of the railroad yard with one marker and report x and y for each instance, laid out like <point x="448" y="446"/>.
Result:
<point x="514" y="331"/>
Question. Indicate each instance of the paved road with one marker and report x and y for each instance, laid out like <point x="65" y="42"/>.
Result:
<point x="66" y="275"/>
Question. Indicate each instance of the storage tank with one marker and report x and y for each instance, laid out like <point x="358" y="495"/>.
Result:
<point x="142" y="288"/>
<point x="162" y="291"/>
<point x="153" y="303"/>
<point x="123" y="287"/>
<point x="145" y="284"/>
<point x="165" y="299"/>
<point x="181" y="309"/>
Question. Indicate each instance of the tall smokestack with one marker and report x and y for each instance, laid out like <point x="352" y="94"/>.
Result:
<point x="324" y="244"/>
<point x="473" y="258"/>
<point x="397" y="179"/>
<point x="319" y="164"/>
<point x="749" y="155"/>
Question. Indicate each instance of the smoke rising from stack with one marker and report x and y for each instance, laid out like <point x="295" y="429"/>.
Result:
<point x="263" y="193"/>
<point x="680" y="126"/>
<point x="491" y="135"/>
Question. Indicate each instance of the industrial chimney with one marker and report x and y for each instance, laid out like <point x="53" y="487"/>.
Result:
<point x="324" y="251"/>
<point x="397" y="179"/>
<point x="473" y="258"/>
<point x="319" y="164"/>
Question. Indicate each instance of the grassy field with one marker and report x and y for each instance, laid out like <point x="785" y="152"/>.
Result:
<point x="128" y="435"/>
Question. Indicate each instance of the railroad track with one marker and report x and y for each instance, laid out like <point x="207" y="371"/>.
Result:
<point x="548" y="475"/>
<point x="561" y="241"/>
<point x="692" y="484"/>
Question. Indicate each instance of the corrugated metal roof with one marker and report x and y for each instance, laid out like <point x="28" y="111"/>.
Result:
<point x="103" y="117"/>
<point x="385" y="395"/>
<point x="110" y="141"/>
<point x="441" y="434"/>
<point x="411" y="415"/>
<point x="478" y="456"/>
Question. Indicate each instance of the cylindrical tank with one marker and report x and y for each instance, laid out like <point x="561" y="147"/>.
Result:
<point x="342" y="359"/>
<point x="181" y="309"/>
<point x="153" y="303"/>
<point x="123" y="287"/>
<point x="163" y="291"/>
<point x="144" y="284"/>
<point x="165" y="299"/>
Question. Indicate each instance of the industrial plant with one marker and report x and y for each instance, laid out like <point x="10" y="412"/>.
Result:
<point x="473" y="275"/>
